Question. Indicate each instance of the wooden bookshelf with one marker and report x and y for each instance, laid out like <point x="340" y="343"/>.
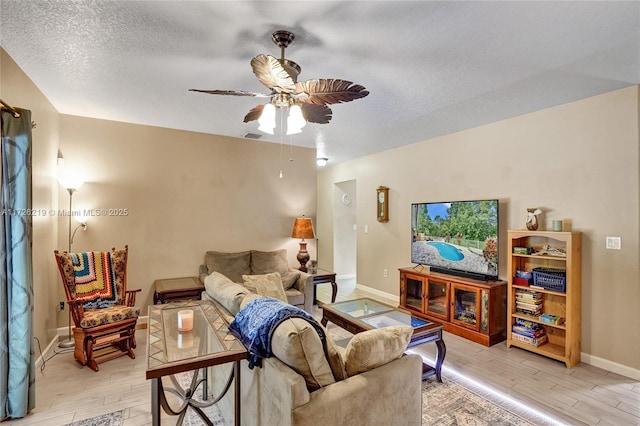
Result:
<point x="564" y="340"/>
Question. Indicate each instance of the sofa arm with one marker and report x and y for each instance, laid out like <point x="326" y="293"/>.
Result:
<point x="364" y="399"/>
<point x="304" y="284"/>
<point x="203" y="272"/>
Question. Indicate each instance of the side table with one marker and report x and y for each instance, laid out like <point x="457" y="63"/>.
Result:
<point x="177" y="289"/>
<point x="321" y="277"/>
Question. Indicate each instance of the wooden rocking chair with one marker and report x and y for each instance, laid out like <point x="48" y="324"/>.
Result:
<point x="103" y="310"/>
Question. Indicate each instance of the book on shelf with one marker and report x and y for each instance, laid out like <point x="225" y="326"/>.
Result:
<point x="532" y="325"/>
<point x="526" y="331"/>
<point x="528" y="301"/>
<point x="529" y="309"/>
<point x="551" y="319"/>
<point x="533" y="341"/>
<point x="527" y="294"/>
<point x="527" y="312"/>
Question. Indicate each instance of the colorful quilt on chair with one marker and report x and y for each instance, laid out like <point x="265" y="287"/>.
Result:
<point x="95" y="279"/>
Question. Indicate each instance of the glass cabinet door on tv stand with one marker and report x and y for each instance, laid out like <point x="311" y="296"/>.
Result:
<point x="425" y="295"/>
<point x="466" y="306"/>
<point x="413" y="292"/>
<point x="437" y="299"/>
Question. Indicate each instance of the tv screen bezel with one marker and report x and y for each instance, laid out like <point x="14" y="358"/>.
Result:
<point x="485" y="276"/>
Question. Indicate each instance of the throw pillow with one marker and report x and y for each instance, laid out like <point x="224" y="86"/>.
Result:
<point x="373" y="348"/>
<point x="296" y="343"/>
<point x="225" y="291"/>
<point x="231" y="265"/>
<point x="289" y="278"/>
<point x="264" y="262"/>
<point x="269" y="285"/>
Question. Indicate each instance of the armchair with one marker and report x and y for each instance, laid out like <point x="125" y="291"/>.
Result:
<point x="102" y="309"/>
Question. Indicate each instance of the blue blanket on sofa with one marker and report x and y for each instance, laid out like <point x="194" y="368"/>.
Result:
<point x="255" y="323"/>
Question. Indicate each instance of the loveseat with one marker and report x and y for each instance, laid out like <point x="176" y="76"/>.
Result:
<point x="371" y="382"/>
<point x="298" y="285"/>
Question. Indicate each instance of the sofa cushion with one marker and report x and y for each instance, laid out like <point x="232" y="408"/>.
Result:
<point x="264" y="262"/>
<point x="289" y="278"/>
<point x="373" y="348"/>
<point x="225" y="291"/>
<point x="296" y="343"/>
<point x="232" y="265"/>
<point x="336" y="359"/>
<point x="294" y="297"/>
<point x="269" y="285"/>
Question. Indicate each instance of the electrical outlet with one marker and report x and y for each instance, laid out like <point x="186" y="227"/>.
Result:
<point x="386" y="273"/>
<point x="613" y="243"/>
<point x="60" y="306"/>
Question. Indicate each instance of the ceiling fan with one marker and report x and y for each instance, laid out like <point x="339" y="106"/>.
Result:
<point x="281" y="77"/>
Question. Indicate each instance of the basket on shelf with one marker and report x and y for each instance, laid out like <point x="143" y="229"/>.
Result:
<point x="550" y="279"/>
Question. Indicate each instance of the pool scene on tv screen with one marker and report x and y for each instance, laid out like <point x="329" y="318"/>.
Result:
<point x="459" y="236"/>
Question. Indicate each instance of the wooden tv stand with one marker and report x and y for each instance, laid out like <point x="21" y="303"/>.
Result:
<point x="473" y="309"/>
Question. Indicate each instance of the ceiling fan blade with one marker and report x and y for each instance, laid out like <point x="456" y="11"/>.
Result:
<point x="329" y="91"/>
<point x="272" y="74"/>
<point x="254" y="114"/>
<point x="232" y="93"/>
<point x="315" y="113"/>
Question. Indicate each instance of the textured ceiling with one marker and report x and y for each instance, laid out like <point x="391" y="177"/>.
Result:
<point x="432" y="68"/>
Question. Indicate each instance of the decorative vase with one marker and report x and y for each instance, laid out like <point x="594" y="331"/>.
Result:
<point x="532" y="219"/>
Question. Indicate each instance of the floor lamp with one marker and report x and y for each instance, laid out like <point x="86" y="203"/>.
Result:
<point x="70" y="183"/>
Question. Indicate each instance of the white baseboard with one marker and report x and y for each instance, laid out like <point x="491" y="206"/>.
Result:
<point x="614" y="367"/>
<point x="345" y="277"/>
<point x="47" y="351"/>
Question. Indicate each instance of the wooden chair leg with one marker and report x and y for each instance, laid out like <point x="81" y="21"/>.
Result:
<point x="91" y="363"/>
<point x="79" y="352"/>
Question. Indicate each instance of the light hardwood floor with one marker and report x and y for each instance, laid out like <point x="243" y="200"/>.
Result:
<point x="540" y="389"/>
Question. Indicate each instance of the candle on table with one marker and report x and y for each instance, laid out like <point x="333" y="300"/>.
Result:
<point x="185" y="320"/>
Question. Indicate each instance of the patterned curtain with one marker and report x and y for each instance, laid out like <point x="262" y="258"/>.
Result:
<point x="17" y="366"/>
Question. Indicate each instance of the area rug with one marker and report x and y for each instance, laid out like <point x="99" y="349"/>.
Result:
<point x="110" y="419"/>
<point x="449" y="404"/>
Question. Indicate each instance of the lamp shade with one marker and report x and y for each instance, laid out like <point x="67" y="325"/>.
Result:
<point x="267" y="119"/>
<point x="296" y="121"/>
<point x="70" y="180"/>
<point x="302" y="228"/>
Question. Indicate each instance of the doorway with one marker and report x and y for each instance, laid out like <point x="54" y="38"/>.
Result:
<point x="345" y="229"/>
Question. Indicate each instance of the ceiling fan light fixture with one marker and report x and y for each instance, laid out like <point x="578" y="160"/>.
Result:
<point x="295" y="121"/>
<point x="267" y="119"/>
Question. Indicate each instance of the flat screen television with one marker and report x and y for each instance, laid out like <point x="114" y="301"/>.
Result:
<point x="458" y="237"/>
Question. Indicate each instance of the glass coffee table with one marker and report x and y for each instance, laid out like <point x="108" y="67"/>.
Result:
<point x="170" y="351"/>
<point x="365" y="314"/>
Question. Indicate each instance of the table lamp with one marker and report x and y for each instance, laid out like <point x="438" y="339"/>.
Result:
<point x="303" y="228"/>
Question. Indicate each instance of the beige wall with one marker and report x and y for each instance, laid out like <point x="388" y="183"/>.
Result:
<point x="18" y="90"/>
<point x="185" y="193"/>
<point x="577" y="161"/>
